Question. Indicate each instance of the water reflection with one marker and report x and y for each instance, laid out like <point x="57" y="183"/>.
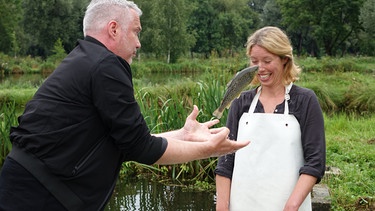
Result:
<point x="142" y="195"/>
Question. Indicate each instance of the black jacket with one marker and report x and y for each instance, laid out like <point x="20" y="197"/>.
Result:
<point x="84" y="121"/>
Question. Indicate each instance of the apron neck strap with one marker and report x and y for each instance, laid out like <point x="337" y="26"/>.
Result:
<point x="287" y="97"/>
<point x="256" y="98"/>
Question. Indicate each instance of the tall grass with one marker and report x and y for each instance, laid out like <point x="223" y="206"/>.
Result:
<point x="19" y="89"/>
<point x="342" y="91"/>
<point x="169" y="110"/>
<point x="7" y="119"/>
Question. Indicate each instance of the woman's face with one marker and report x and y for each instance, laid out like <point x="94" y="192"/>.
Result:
<point x="271" y="66"/>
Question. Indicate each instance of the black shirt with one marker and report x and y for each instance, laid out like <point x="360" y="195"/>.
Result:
<point x="304" y="105"/>
<point x="84" y="121"/>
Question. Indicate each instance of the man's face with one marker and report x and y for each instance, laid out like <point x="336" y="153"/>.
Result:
<point x="129" y="38"/>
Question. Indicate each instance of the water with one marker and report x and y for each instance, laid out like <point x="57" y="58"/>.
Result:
<point x="143" y="194"/>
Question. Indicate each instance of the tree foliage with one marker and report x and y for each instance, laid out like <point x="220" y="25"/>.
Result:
<point x="327" y="23"/>
<point x="236" y="22"/>
<point x="172" y="28"/>
<point x="271" y="14"/>
<point x="203" y="23"/>
<point x="165" y="28"/>
<point x="366" y="38"/>
<point x="11" y="15"/>
<point x="48" y="20"/>
<point x="221" y="25"/>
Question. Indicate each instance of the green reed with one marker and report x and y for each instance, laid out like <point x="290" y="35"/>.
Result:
<point x="8" y="118"/>
<point x="168" y="111"/>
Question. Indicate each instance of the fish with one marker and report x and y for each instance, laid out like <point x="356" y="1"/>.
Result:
<point x="234" y="88"/>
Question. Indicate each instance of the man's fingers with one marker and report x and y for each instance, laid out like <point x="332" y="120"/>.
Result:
<point x="211" y="123"/>
<point x="194" y="114"/>
<point x="241" y="144"/>
<point x="234" y="146"/>
<point x="216" y="130"/>
<point x="224" y="145"/>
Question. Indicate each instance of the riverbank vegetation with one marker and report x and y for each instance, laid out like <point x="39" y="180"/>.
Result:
<point x="345" y="88"/>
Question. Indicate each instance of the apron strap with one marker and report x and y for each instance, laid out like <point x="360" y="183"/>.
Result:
<point x="255" y="101"/>
<point x="287" y="97"/>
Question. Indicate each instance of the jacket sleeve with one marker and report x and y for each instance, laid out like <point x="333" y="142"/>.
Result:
<point x="313" y="138"/>
<point x="113" y="95"/>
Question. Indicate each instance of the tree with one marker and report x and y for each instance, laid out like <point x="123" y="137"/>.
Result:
<point x="257" y="5"/>
<point x="299" y="18"/>
<point x="271" y="14"/>
<point x="46" y="21"/>
<point x="367" y="16"/>
<point x="339" y="21"/>
<point x="58" y="52"/>
<point x="222" y="25"/>
<point x="165" y="28"/>
<point x="367" y="36"/>
<point x="328" y="23"/>
<point x="236" y="21"/>
<point x="11" y="14"/>
<point x="204" y="27"/>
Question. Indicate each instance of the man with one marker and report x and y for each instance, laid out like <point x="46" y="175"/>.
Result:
<point x="84" y="121"/>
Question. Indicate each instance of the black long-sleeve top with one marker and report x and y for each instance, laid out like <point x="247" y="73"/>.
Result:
<point x="84" y="121"/>
<point x="304" y="105"/>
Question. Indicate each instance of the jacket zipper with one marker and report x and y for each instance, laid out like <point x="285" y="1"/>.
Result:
<point x="84" y="159"/>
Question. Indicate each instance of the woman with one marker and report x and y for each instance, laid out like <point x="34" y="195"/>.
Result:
<point x="286" y="127"/>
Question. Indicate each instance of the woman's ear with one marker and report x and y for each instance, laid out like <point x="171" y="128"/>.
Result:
<point x="285" y="60"/>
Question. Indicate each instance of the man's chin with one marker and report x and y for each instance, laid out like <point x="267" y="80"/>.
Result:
<point x="129" y="60"/>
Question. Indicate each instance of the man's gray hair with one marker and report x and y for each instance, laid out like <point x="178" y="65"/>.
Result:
<point x="100" y="12"/>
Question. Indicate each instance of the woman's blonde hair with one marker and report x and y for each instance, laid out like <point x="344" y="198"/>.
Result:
<point x="276" y="42"/>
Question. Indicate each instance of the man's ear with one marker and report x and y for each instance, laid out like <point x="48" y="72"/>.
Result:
<point x="113" y="28"/>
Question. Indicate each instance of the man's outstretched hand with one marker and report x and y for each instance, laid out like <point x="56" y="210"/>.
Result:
<point x="196" y="131"/>
<point x="216" y="138"/>
<point x="197" y="141"/>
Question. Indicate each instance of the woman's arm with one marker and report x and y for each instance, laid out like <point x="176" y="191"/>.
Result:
<point x="222" y="193"/>
<point x="303" y="187"/>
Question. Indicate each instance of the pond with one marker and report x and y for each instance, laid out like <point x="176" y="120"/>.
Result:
<point x="142" y="194"/>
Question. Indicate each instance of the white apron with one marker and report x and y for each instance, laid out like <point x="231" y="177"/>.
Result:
<point x="266" y="171"/>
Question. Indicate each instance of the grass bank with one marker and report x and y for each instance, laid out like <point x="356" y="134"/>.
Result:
<point x="351" y="148"/>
